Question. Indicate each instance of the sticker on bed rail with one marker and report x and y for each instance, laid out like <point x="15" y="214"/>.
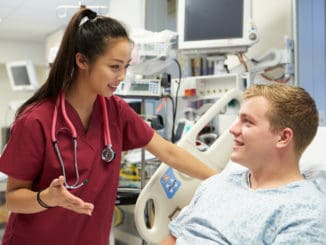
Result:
<point x="170" y="183"/>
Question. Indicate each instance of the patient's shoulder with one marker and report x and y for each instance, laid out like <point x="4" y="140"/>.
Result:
<point x="233" y="167"/>
<point x="235" y="173"/>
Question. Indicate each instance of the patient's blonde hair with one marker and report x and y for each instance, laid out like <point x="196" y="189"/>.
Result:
<point x="290" y="107"/>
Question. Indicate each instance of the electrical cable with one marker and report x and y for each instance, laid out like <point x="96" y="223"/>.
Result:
<point x="279" y="79"/>
<point x="242" y="61"/>
<point x="176" y="101"/>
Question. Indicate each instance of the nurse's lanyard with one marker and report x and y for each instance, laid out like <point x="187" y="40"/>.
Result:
<point x="107" y="153"/>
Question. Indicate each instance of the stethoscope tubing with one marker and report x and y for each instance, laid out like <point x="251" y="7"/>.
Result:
<point x="107" y="138"/>
<point x="107" y="155"/>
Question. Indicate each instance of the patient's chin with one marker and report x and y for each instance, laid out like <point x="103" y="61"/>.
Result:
<point x="236" y="158"/>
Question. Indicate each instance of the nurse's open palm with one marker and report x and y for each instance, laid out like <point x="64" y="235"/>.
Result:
<point x="63" y="198"/>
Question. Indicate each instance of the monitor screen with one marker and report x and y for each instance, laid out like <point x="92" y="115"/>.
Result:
<point x="218" y="26"/>
<point x="22" y="75"/>
<point x="203" y="23"/>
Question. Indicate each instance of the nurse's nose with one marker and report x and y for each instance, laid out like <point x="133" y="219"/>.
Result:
<point x="122" y="74"/>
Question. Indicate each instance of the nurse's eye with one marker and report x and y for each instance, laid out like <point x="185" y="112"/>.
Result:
<point x="127" y="66"/>
<point x="115" y="68"/>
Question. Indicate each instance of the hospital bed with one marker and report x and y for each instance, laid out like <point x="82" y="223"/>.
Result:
<point x="168" y="190"/>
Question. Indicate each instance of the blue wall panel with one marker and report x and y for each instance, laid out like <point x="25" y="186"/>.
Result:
<point x="312" y="51"/>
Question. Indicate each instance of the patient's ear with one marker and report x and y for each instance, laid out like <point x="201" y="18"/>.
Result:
<point x="285" y="137"/>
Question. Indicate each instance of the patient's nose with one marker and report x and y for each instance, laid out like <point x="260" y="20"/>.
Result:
<point x="235" y="129"/>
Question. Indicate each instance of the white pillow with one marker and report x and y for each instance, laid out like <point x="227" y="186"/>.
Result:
<point x="313" y="160"/>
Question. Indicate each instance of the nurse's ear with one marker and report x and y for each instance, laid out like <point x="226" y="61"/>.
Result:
<point x="81" y="61"/>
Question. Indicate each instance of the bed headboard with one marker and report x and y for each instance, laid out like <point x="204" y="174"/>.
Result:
<point x="168" y="190"/>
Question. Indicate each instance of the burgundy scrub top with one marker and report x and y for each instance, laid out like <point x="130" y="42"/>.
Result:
<point x="29" y="155"/>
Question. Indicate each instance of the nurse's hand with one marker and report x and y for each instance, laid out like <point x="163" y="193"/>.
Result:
<point x="57" y="195"/>
<point x="169" y="240"/>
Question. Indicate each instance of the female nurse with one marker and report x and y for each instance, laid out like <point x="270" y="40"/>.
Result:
<point x="61" y="188"/>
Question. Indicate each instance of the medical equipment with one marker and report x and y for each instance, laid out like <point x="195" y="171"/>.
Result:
<point x="270" y="60"/>
<point x="22" y="75"/>
<point x="107" y="154"/>
<point x="170" y="190"/>
<point x="226" y="27"/>
<point x="140" y="88"/>
<point x="206" y="87"/>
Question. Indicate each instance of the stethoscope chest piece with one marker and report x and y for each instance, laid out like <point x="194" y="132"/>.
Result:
<point x="108" y="154"/>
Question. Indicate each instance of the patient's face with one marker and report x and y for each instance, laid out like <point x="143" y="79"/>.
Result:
<point x="254" y="143"/>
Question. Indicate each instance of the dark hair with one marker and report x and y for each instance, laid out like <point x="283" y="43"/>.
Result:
<point x="86" y="33"/>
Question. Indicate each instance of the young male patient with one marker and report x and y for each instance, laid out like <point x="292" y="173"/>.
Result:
<point x="269" y="201"/>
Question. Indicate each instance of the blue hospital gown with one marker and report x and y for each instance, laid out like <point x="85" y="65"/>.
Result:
<point x="225" y="210"/>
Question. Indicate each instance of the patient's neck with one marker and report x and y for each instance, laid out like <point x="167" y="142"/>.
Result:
<point x="272" y="180"/>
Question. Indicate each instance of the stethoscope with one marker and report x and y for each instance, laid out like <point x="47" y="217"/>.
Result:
<point x="107" y="153"/>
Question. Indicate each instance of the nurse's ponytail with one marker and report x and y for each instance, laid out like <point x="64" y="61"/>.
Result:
<point x="86" y="33"/>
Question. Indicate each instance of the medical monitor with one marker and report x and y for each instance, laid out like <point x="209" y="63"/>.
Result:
<point x="215" y="26"/>
<point x="22" y="75"/>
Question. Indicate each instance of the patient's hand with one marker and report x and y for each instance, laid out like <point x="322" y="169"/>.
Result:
<point x="170" y="240"/>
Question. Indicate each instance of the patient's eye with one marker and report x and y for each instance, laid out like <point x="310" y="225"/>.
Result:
<point x="247" y="121"/>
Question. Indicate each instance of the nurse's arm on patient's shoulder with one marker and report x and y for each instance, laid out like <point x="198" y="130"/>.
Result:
<point x="178" y="158"/>
<point x="21" y="199"/>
